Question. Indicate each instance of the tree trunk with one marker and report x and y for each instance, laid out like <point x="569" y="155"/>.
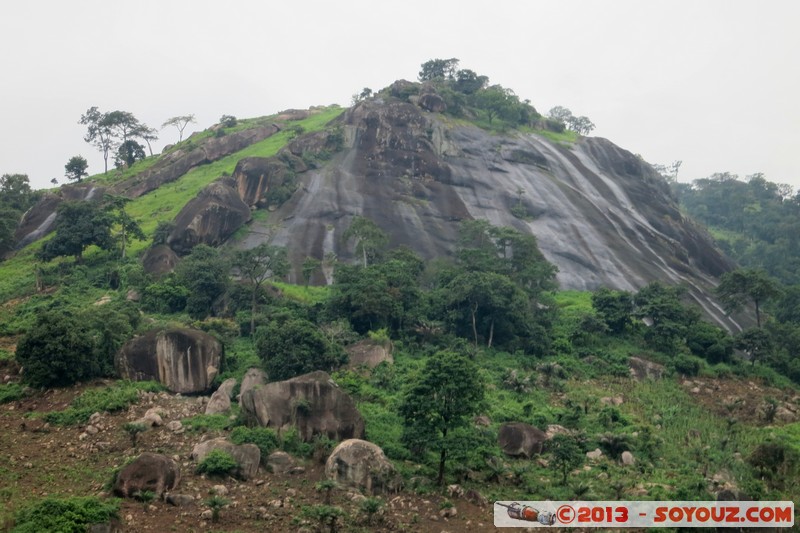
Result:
<point x="364" y="250"/>
<point x="758" y="314"/>
<point x="491" y="334"/>
<point x="442" y="459"/>
<point x="253" y="312"/>
<point x="123" y="238"/>
<point x="474" y="310"/>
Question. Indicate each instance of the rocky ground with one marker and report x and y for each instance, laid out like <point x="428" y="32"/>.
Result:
<point x="39" y="460"/>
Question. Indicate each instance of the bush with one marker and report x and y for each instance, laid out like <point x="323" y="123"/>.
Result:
<point x="264" y="438"/>
<point x="166" y="296"/>
<point x="228" y="121"/>
<point x="65" y="515"/>
<point x="686" y="365"/>
<point x="217" y="464"/>
<point x="58" y="351"/>
<point x="206" y="423"/>
<point x="295" y="346"/>
<point x="107" y="399"/>
<point x="10" y="392"/>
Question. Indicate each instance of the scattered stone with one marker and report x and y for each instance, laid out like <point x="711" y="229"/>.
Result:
<point x="642" y="369"/>
<point x="179" y="500"/>
<point x="133" y="295"/>
<point x="482" y="421"/>
<point x="175" y="426"/>
<point x="296" y="471"/>
<point x="369" y="353"/>
<point x="594" y="455"/>
<point x="363" y="465"/>
<point x="275" y="504"/>
<point x="153" y="472"/>
<point x="555" y="429"/>
<point x="475" y="498"/>
<point x="207" y="514"/>
<point x="695" y="390"/>
<point x="616" y="400"/>
<point x="518" y="439"/>
<point x="455" y="491"/>
<point x="219" y="490"/>
<point x="448" y="512"/>
<point x="628" y="459"/>
<point x="35" y="425"/>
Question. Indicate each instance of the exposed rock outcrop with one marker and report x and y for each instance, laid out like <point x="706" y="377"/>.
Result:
<point x="368" y="353"/>
<point x="220" y="401"/>
<point x="361" y="464"/>
<point x="312" y="403"/>
<point x="160" y="260"/>
<point x="149" y="472"/>
<point x="40" y="219"/>
<point x="209" y="218"/>
<point x="247" y="456"/>
<point x="184" y="360"/>
<point x="642" y="369"/>
<point x="521" y="440"/>
<point x="253" y="378"/>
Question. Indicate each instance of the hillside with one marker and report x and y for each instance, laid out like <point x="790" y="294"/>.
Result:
<point x="507" y="309"/>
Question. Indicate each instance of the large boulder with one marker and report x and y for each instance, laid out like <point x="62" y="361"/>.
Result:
<point x="220" y="401"/>
<point x="247" y="456"/>
<point x="361" y="464"/>
<point x="149" y="472"/>
<point x="642" y="369"/>
<point x="518" y="439"/>
<point x="209" y="218"/>
<point x="183" y="360"/>
<point x="253" y="378"/>
<point x="312" y="403"/>
<point x="160" y="260"/>
<point x="368" y="353"/>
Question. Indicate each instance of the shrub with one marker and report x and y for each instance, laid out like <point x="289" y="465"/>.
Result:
<point x="228" y="121"/>
<point x="206" y="423"/>
<point x="10" y="392"/>
<point x="108" y="399"/>
<point x="686" y="365"/>
<point x="166" y="296"/>
<point x="295" y="346"/>
<point x="65" y="515"/>
<point x="264" y="438"/>
<point x="217" y="463"/>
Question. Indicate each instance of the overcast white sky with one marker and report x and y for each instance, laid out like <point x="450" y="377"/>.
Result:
<point x="715" y="84"/>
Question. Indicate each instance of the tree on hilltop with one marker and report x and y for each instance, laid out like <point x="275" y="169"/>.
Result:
<point x="75" y="169"/>
<point x="180" y="122"/>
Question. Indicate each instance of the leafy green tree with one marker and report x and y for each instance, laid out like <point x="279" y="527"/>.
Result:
<point x="257" y="265"/>
<point x="75" y="169"/>
<point x="147" y="134"/>
<point x="128" y="153"/>
<point x="469" y="82"/>
<point x="614" y="307"/>
<point x="100" y="132"/>
<point x="755" y="342"/>
<point x="16" y="197"/>
<point x="438" y="69"/>
<point x="228" y="121"/>
<point x="294" y="346"/>
<point x="370" y="239"/>
<point x="498" y="102"/>
<point x="179" y="122"/>
<point x="129" y="228"/>
<point x="58" y="350"/>
<point x="310" y="266"/>
<point x="78" y="226"/>
<point x="567" y="455"/>
<point x="205" y="273"/>
<point x="440" y="400"/>
<point x="742" y="285"/>
<point x="668" y="319"/>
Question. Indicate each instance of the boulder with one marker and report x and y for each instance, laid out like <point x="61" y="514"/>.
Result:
<point x="368" y="353"/>
<point x="220" y="401"/>
<point x="247" y="456"/>
<point x="255" y="177"/>
<point x="312" y="403"/>
<point x="361" y="464"/>
<point x="184" y="360"/>
<point x="642" y="369"/>
<point x="209" y="218"/>
<point x="518" y="439"/>
<point x="279" y="462"/>
<point x="160" y="260"/>
<point x="627" y="458"/>
<point x="253" y="378"/>
<point x="432" y="102"/>
<point x="594" y="455"/>
<point x="555" y="429"/>
<point x="149" y="472"/>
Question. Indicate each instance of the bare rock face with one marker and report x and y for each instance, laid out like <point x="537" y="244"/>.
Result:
<point x="247" y="456"/>
<point x="253" y="378"/>
<point x="280" y="462"/>
<point x="150" y="471"/>
<point x="160" y="260"/>
<point x="220" y="401"/>
<point x="431" y="101"/>
<point x="256" y="177"/>
<point x="209" y="218"/>
<point x="642" y="369"/>
<point x="361" y="464"/>
<point x="312" y="403"/>
<point x="40" y="219"/>
<point x="184" y="360"/>
<point x="368" y="353"/>
<point x="521" y="440"/>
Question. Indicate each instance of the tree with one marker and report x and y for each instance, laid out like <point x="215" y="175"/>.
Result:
<point x="293" y="346"/>
<point x="560" y="114"/>
<point x="581" y="125"/>
<point x="100" y="132"/>
<point x="205" y="273"/>
<point x="441" y="399"/>
<point x="614" y="307"/>
<point x="497" y="101"/>
<point x="147" y="134"/>
<point x="16" y="197"/>
<point x="57" y="351"/>
<point x="228" y="121"/>
<point x="128" y="226"/>
<point x="755" y="342"/>
<point x="738" y="286"/>
<point x="78" y="226"/>
<point x="128" y="153"/>
<point x="257" y="265"/>
<point x="567" y="455"/>
<point x="180" y="122"/>
<point x="438" y="69"/>
<point x="469" y="82"/>
<point x="75" y="168"/>
<point x="310" y="265"/>
<point x="370" y="239"/>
